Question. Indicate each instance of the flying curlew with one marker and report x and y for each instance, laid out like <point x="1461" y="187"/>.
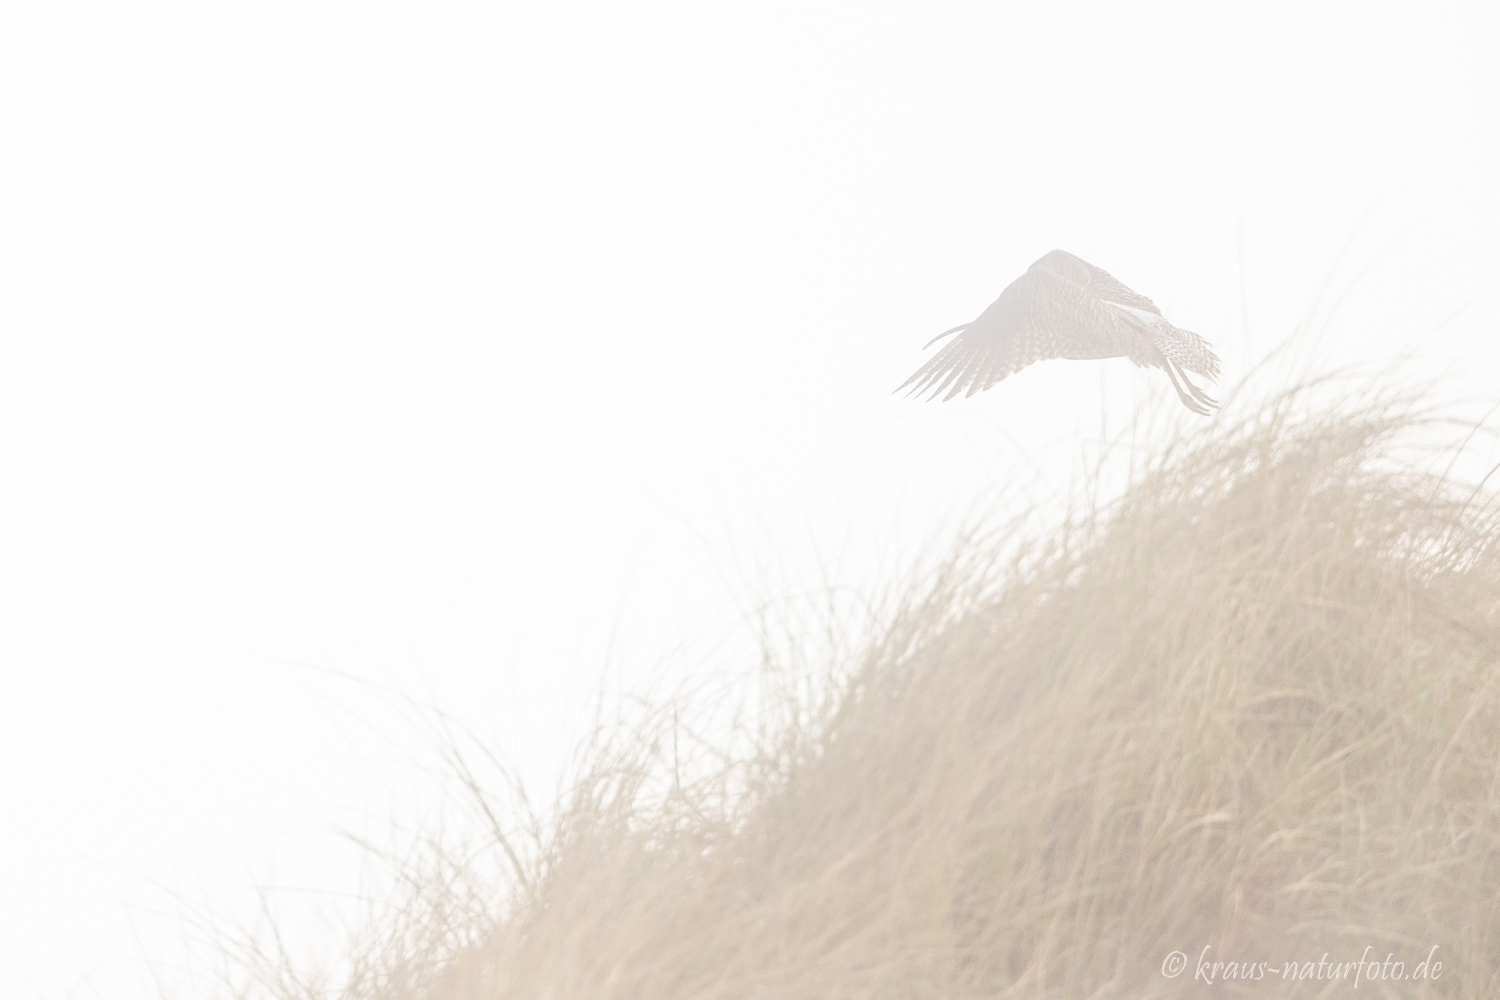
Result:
<point x="1064" y="307"/>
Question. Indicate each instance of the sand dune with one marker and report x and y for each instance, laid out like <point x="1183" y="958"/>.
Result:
<point x="1252" y="706"/>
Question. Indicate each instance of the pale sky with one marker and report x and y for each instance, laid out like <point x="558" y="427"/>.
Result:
<point x="485" y="351"/>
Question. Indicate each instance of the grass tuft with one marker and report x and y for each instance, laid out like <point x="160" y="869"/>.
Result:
<point x="1252" y="704"/>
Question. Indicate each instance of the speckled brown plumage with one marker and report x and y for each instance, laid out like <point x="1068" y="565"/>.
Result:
<point x="1064" y="307"/>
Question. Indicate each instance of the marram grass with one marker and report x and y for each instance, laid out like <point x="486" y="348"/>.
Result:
<point x="1251" y="706"/>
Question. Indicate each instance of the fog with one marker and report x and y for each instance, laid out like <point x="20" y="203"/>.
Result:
<point x="497" y="356"/>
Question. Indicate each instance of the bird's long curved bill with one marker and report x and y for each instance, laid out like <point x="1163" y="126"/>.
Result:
<point x="934" y="340"/>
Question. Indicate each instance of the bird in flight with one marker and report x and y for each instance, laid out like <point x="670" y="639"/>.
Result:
<point x="1064" y="307"/>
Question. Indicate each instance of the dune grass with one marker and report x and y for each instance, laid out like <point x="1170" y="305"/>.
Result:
<point x="1252" y="705"/>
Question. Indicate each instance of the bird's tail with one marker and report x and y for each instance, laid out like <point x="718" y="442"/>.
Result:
<point x="1188" y="350"/>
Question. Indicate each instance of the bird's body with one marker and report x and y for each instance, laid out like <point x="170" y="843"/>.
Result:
<point x="1064" y="307"/>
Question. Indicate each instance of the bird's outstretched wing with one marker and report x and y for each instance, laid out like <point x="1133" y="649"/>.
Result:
<point x="1029" y="322"/>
